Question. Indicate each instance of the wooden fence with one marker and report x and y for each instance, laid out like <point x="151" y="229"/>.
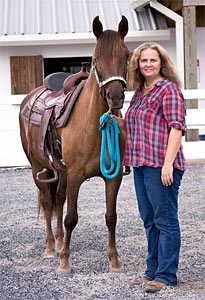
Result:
<point x="12" y="155"/>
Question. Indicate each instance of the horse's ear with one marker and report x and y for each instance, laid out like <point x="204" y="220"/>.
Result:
<point x="123" y="27"/>
<point x="97" y="27"/>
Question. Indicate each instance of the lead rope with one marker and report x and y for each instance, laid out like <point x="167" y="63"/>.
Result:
<point x="110" y="141"/>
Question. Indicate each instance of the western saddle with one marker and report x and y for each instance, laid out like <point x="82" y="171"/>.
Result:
<point x="50" y="108"/>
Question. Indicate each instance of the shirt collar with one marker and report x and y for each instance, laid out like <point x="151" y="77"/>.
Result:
<point x="160" y="82"/>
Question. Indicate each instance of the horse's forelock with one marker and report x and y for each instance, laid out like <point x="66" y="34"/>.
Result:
<point x="107" y="44"/>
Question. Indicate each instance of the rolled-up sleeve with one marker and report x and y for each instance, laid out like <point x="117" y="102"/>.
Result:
<point x="174" y="108"/>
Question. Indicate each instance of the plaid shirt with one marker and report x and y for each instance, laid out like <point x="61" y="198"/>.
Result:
<point x="149" y="120"/>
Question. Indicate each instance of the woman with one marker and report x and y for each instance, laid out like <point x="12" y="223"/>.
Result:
<point x="155" y="123"/>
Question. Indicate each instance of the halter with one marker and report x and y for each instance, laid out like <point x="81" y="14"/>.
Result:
<point x="110" y="151"/>
<point x="104" y="82"/>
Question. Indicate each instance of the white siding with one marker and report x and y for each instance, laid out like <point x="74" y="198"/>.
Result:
<point x="12" y="154"/>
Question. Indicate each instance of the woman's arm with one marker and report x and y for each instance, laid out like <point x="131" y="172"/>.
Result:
<point x="173" y="146"/>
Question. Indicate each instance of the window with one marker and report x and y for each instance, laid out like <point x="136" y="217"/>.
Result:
<point x="64" y="64"/>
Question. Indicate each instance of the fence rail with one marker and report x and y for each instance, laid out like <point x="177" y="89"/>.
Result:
<point x="12" y="154"/>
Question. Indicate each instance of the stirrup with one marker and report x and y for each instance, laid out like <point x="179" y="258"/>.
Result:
<point x="49" y="180"/>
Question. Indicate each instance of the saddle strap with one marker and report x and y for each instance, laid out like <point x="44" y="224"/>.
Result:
<point x="43" y="149"/>
<point x="43" y="129"/>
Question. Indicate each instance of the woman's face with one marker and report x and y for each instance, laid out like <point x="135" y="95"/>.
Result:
<point x="150" y="64"/>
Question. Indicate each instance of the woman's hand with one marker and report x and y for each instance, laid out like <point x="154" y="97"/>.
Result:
<point x="120" y="121"/>
<point x="173" y="146"/>
<point x="167" y="174"/>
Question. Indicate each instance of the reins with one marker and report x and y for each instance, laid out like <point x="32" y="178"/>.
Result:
<point x="110" y="152"/>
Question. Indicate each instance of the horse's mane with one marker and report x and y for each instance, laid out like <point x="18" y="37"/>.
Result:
<point x="108" y="44"/>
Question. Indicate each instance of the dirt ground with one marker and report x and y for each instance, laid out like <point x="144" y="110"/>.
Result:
<point x="26" y="274"/>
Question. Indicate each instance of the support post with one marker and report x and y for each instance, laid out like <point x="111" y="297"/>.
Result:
<point x="189" y="17"/>
<point x="179" y="35"/>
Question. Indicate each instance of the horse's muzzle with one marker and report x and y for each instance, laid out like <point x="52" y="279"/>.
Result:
<point x="115" y="101"/>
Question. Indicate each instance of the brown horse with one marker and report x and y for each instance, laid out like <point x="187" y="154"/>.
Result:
<point x="81" y="143"/>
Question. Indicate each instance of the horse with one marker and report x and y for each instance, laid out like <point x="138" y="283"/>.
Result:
<point x="81" y="143"/>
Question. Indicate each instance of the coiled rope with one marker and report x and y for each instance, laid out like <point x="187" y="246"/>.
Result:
<point x="110" y="152"/>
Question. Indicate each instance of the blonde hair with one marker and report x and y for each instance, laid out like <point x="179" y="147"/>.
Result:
<point x="135" y="77"/>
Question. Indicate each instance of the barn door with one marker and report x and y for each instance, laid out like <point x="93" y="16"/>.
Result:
<point x="26" y="73"/>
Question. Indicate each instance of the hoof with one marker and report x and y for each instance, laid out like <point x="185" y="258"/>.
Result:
<point x="115" y="265"/>
<point x="117" y="270"/>
<point x="63" y="270"/>
<point x="49" y="253"/>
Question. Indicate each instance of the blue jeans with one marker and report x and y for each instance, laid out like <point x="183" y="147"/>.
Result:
<point x="158" y="207"/>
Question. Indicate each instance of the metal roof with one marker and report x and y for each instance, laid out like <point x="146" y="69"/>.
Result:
<point x="27" y="17"/>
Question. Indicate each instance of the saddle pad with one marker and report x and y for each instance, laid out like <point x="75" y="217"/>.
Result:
<point x="35" y="107"/>
<point x="26" y="110"/>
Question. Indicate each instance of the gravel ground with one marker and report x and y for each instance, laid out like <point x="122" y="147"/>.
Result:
<point x="26" y="274"/>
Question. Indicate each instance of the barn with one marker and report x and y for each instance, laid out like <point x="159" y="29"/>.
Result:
<point x="39" y="37"/>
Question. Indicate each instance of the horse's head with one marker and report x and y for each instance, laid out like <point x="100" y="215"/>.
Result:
<point x="110" y="62"/>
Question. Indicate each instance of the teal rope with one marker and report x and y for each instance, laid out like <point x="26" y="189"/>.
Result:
<point x="110" y="141"/>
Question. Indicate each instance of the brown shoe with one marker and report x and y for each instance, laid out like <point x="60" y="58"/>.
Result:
<point x="154" y="286"/>
<point x="141" y="281"/>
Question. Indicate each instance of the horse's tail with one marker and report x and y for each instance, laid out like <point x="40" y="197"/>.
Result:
<point x="53" y="204"/>
<point x="39" y="205"/>
<point x="53" y="189"/>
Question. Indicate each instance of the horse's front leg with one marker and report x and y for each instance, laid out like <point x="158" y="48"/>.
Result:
<point x="60" y="200"/>
<point x="112" y="187"/>
<point x="71" y="220"/>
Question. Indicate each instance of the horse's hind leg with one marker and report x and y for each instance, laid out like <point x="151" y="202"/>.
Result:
<point x="112" y="187"/>
<point x="52" y="197"/>
<point x="47" y="201"/>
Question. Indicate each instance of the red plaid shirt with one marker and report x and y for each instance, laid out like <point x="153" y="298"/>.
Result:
<point x="149" y="120"/>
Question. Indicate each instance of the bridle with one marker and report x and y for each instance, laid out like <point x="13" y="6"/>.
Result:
<point x="105" y="81"/>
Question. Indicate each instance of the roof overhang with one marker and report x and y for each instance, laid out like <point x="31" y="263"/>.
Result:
<point x="138" y="3"/>
<point x="78" y="38"/>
